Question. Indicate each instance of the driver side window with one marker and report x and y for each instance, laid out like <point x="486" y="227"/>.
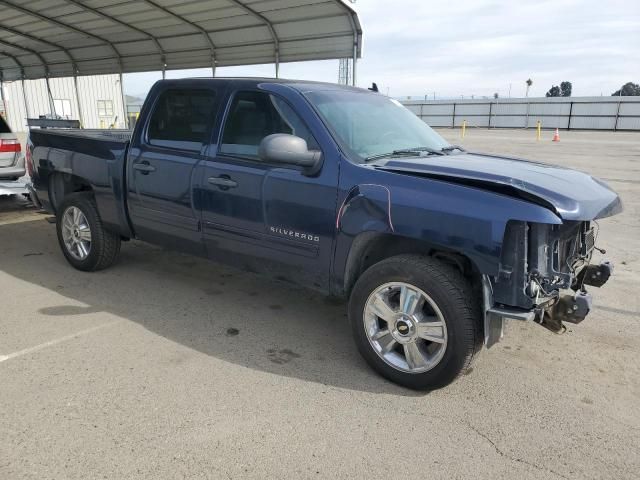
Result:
<point x="255" y="115"/>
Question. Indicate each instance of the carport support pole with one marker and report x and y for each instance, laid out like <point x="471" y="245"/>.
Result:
<point x="124" y="99"/>
<point x="355" y="62"/>
<point x="24" y="98"/>
<point x="4" y="104"/>
<point x="52" y="104"/>
<point x="80" y="117"/>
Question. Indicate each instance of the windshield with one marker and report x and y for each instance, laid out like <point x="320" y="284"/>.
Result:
<point x="371" y="124"/>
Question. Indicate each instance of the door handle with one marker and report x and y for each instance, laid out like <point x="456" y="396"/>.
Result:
<point x="223" y="181"/>
<point x="144" y="168"/>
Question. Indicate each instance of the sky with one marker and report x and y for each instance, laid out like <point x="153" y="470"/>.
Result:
<point x="475" y="47"/>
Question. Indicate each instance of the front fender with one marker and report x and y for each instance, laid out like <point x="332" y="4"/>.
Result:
<point x="365" y="213"/>
<point x="428" y="215"/>
<point x="366" y="208"/>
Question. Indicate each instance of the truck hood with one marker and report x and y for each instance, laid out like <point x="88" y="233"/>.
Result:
<point x="571" y="194"/>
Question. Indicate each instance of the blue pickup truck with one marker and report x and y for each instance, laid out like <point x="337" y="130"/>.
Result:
<point x="341" y="190"/>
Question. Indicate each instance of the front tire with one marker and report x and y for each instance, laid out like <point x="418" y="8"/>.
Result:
<point x="85" y="243"/>
<point x="416" y="321"/>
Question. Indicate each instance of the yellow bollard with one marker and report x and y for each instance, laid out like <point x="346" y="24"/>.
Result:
<point x="538" y="130"/>
<point x="464" y="128"/>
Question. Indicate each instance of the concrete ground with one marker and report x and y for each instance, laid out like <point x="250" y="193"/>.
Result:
<point x="166" y="366"/>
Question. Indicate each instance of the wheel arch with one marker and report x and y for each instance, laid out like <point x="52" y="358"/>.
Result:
<point x="61" y="185"/>
<point x="112" y="212"/>
<point x="370" y="248"/>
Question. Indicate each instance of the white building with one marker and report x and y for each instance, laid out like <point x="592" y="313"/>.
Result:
<point x="100" y="97"/>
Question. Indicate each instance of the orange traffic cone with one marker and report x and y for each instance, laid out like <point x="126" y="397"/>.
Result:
<point x="556" y="136"/>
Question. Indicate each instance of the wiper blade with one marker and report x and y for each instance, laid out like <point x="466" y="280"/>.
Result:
<point x="405" y="151"/>
<point x="419" y="150"/>
<point x="390" y="154"/>
<point x="451" y="148"/>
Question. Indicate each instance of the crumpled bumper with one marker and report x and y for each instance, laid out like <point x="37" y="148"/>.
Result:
<point x="570" y="306"/>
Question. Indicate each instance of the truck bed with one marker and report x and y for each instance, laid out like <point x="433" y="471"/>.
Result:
<point x="82" y="156"/>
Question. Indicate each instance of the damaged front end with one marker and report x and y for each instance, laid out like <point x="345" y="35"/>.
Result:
<point x="542" y="276"/>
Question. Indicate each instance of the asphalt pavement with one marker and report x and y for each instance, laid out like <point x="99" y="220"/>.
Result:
<point x="168" y="366"/>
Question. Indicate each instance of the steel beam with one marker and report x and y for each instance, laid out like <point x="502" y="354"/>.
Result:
<point x="80" y="116"/>
<point x="4" y="104"/>
<point x="45" y="42"/>
<point x="66" y="26"/>
<point x="24" y="98"/>
<point x="21" y="67"/>
<point x="45" y="65"/>
<point x="269" y="25"/>
<point x="355" y="63"/>
<point x="52" y="104"/>
<point x="357" y="32"/>
<point x="124" y="100"/>
<point x="95" y="11"/>
<point x="212" y="46"/>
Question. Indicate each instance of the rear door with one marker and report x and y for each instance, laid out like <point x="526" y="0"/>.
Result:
<point x="265" y="217"/>
<point x="162" y="167"/>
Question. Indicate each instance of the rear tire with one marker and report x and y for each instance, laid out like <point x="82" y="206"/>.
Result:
<point x="84" y="241"/>
<point x="416" y="321"/>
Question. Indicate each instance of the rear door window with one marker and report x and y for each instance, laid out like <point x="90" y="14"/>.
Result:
<point x="255" y="115"/>
<point x="182" y="119"/>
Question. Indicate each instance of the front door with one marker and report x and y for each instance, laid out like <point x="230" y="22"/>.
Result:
<point x="163" y="166"/>
<point x="265" y="217"/>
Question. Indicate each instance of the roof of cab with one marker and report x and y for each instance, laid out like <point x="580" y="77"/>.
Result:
<point x="300" y="85"/>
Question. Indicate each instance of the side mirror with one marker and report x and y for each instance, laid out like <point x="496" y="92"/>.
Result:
<point x="290" y="150"/>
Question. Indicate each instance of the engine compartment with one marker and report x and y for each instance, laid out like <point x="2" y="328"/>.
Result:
<point x="540" y="260"/>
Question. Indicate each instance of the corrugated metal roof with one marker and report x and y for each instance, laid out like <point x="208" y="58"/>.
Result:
<point x="58" y="38"/>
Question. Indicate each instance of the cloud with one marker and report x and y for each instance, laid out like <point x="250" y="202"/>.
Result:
<point x="478" y="47"/>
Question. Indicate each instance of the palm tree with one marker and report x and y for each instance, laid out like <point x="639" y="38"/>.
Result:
<point x="529" y="82"/>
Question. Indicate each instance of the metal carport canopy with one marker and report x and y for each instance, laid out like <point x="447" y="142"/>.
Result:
<point x="62" y="38"/>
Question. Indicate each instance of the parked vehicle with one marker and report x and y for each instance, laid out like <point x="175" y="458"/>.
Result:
<point x="11" y="158"/>
<point x="344" y="191"/>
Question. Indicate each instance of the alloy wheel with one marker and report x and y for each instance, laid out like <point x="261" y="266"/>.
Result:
<point x="405" y="327"/>
<point x="76" y="233"/>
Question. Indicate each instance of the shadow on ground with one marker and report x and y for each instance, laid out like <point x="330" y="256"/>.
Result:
<point x="234" y="316"/>
<point x="10" y="205"/>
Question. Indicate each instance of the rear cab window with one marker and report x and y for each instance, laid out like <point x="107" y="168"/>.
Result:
<point x="255" y="115"/>
<point x="182" y="119"/>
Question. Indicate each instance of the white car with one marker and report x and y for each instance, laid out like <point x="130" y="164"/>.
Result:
<point x="11" y="157"/>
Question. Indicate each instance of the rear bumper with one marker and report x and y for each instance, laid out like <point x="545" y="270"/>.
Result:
<point x="15" y="170"/>
<point x="12" y="172"/>
<point x="12" y="188"/>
